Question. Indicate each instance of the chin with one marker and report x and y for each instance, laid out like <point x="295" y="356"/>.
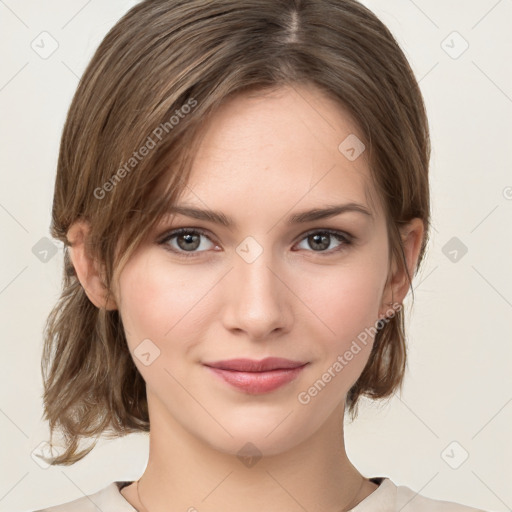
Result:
<point x="263" y="434"/>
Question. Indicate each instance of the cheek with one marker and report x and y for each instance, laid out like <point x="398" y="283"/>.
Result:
<point x="161" y="305"/>
<point x="160" y="315"/>
<point x="347" y="307"/>
<point x="346" y="299"/>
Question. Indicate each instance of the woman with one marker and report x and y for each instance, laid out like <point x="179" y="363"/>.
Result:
<point x="243" y="193"/>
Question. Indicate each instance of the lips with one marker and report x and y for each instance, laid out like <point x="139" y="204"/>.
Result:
<point x="256" y="377"/>
<point x="252" y="365"/>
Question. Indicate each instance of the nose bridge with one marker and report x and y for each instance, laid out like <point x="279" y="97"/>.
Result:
<point x="259" y="301"/>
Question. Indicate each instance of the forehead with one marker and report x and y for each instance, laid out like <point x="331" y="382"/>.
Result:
<point x="279" y="148"/>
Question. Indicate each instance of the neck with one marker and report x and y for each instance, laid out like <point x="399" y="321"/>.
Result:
<point x="185" y="473"/>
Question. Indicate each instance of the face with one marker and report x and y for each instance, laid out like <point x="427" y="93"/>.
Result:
<point x="261" y="286"/>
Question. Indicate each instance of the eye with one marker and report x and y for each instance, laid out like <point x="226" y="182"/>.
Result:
<point x="320" y="240"/>
<point x="188" y="240"/>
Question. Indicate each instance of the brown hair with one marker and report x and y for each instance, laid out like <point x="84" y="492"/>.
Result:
<point x="155" y="79"/>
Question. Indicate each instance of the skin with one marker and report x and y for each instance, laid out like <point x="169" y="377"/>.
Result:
<point x="262" y="159"/>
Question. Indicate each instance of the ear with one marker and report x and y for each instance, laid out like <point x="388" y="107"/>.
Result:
<point x="89" y="271"/>
<point x="398" y="285"/>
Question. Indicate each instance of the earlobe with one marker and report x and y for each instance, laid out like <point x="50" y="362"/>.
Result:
<point x="89" y="271"/>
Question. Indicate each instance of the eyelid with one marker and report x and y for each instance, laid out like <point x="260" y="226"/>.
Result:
<point x="185" y="229"/>
<point x="330" y="231"/>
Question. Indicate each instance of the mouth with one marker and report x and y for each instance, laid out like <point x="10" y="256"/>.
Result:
<point x="256" y="377"/>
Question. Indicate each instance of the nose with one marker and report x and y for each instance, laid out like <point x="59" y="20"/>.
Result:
<point x="259" y="301"/>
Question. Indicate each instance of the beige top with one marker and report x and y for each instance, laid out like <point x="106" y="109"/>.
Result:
<point x="388" y="497"/>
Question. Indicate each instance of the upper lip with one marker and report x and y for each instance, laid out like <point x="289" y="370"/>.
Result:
<point x="252" y="365"/>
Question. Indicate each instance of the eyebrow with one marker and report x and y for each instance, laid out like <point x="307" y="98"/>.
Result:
<point x="294" y="219"/>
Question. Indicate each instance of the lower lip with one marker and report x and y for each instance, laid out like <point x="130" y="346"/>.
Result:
<point x="258" y="382"/>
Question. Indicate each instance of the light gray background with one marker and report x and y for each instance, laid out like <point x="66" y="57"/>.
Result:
<point x="458" y="387"/>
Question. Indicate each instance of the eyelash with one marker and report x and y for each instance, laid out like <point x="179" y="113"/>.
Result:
<point x="345" y="238"/>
